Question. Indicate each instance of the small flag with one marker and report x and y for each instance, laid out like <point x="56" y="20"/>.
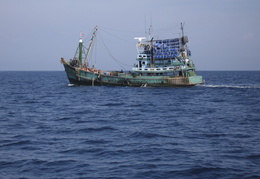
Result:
<point x="81" y="34"/>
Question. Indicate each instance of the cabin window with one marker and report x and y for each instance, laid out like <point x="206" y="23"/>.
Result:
<point x="143" y="63"/>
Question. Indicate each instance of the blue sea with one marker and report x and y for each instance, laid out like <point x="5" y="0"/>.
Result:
<point x="51" y="130"/>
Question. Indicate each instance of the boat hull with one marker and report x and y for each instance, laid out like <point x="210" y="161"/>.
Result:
<point x="82" y="77"/>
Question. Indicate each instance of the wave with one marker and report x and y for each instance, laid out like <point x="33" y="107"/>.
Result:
<point x="230" y="86"/>
<point x="146" y="135"/>
<point x="17" y="143"/>
<point x="98" y="129"/>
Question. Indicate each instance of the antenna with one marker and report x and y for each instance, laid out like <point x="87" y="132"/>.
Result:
<point x="145" y="25"/>
<point x="150" y="29"/>
<point x="151" y="26"/>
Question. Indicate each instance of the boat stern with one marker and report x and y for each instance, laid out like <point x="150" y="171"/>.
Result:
<point x="185" y="81"/>
<point x="194" y="80"/>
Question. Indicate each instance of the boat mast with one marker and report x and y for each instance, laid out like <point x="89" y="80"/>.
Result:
<point x="151" y="51"/>
<point x="182" y="31"/>
<point x="151" y="46"/>
<point x="90" y="45"/>
<point x="182" y="35"/>
<point x="80" y="50"/>
<point x="183" y="39"/>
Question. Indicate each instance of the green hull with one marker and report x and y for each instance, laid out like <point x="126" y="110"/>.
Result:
<point x="82" y="77"/>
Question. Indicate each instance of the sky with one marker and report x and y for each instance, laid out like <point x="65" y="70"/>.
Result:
<point x="35" y="34"/>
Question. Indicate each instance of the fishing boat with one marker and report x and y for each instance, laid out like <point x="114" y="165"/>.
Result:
<point x="159" y="63"/>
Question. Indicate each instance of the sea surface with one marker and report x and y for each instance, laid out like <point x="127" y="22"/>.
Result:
<point x="51" y="130"/>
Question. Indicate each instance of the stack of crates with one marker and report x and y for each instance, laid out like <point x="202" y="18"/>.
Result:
<point x="169" y="48"/>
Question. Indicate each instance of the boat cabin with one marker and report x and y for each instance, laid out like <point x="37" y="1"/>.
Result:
<point x="169" y="57"/>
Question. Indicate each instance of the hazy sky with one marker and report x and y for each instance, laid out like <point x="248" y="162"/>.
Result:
<point x="35" y="34"/>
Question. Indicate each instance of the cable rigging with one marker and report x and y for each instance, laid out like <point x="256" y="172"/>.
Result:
<point x="110" y="54"/>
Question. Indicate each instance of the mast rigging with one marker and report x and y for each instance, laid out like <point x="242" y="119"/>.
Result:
<point x="90" y="46"/>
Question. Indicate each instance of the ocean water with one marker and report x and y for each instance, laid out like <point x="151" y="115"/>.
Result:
<point x="51" y="130"/>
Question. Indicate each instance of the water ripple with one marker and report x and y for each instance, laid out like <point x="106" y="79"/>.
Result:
<point x="50" y="130"/>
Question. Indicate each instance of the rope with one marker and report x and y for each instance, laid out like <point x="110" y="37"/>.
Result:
<point x="119" y="63"/>
<point x="120" y="30"/>
<point x="115" y="36"/>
